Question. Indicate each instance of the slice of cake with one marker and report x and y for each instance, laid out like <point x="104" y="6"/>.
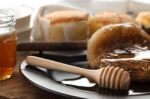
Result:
<point x="67" y="25"/>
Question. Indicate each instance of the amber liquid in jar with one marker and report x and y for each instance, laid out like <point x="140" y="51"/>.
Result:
<point x="8" y="41"/>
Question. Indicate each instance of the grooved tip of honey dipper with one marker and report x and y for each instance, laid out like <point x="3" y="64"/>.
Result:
<point x="114" y="78"/>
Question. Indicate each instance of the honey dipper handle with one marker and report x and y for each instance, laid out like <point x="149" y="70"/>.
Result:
<point x="49" y="64"/>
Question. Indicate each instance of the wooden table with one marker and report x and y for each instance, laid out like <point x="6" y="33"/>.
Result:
<point x="18" y="87"/>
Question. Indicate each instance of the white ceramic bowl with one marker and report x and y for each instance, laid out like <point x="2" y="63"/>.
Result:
<point x="23" y="25"/>
<point x="22" y="15"/>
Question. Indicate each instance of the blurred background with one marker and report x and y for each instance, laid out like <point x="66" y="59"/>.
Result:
<point x="25" y="10"/>
<point x="91" y="5"/>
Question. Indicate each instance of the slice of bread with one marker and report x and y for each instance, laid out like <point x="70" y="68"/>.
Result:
<point x="122" y="45"/>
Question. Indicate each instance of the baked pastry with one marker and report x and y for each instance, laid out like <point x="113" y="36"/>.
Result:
<point x="67" y="25"/>
<point x="101" y="19"/>
<point x="122" y="45"/>
<point x="143" y="19"/>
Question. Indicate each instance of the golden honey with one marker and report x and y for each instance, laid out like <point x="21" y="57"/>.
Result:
<point x="8" y="40"/>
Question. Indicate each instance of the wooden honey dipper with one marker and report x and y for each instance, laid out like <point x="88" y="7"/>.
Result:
<point x="108" y="77"/>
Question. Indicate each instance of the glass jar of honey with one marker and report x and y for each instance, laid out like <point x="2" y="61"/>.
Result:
<point x="8" y="40"/>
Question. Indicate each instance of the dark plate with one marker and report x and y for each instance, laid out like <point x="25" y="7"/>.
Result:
<point x="73" y="85"/>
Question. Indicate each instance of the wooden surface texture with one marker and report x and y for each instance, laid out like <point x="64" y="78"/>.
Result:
<point x="18" y="87"/>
